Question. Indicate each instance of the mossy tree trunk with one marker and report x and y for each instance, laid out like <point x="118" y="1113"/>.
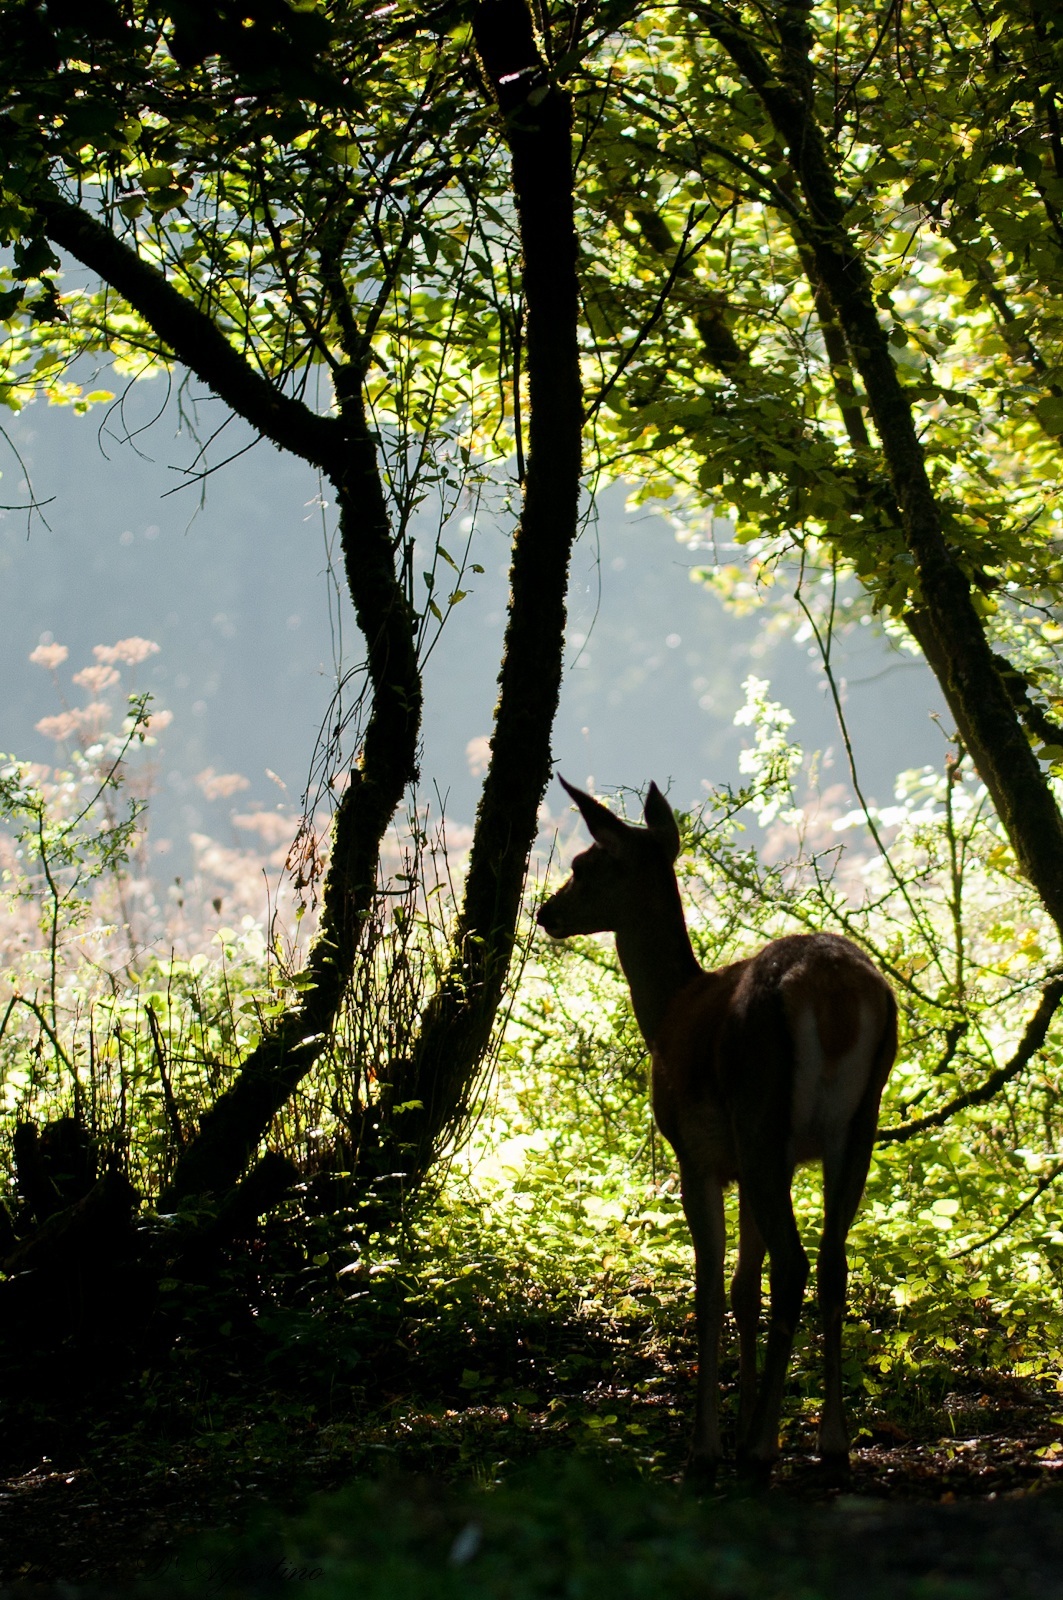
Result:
<point x="443" y="1068"/>
<point x="946" y="620"/>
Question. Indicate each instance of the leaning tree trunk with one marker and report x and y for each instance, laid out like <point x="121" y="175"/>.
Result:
<point x="456" y="1028"/>
<point x="344" y="448"/>
<point x="232" y="1129"/>
<point x="956" y="644"/>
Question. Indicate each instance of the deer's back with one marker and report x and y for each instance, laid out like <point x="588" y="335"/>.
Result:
<point x="807" y="1025"/>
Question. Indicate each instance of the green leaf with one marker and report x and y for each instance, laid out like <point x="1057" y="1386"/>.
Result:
<point x="1049" y="413"/>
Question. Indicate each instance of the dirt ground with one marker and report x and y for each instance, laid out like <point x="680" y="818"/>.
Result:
<point x="977" y="1513"/>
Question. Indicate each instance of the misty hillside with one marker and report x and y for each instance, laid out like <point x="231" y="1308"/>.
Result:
<point x="229" y="575"/>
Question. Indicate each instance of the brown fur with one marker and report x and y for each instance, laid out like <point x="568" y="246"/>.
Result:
<point x="694" y="1074"/>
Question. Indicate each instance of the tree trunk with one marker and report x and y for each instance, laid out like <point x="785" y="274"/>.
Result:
<point x="233" y="1127"/>
<point x="959" y="651"/>
<point x="458" y="1021"/>
<point x="344" y="448"/>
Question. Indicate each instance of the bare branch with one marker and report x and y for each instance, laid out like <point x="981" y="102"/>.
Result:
<point x="1032" y="1040"/>
<point x="193" y="337"/>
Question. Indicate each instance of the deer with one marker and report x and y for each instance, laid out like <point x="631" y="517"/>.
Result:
<point x="771" y="1061"/>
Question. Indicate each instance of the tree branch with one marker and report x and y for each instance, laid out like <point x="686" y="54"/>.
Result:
<point x="969" y="676"/>
<point x="1013" y="1216"/>
<point x="1031" y="1041"/>
<point x="193" y="337"/>
<point x="719" y="343"/>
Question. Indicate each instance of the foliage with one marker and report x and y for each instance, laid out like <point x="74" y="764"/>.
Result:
<point x="564" y="1184"/>
<point x="118" y="1011"/>
<point x="310" y="196"/>
<point x="725" y="382"/>
<point x="706" y="364"/>
<point x="69" y="835"/>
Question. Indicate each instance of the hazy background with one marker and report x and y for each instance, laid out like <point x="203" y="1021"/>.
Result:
<point x="236" y="591"/>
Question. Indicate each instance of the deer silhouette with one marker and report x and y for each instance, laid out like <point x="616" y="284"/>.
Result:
<point x="756" y="1067"/>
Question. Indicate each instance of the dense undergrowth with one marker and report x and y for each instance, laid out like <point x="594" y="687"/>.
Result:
<point x="538" y="1299"/>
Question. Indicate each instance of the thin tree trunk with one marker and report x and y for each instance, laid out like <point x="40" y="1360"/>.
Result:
<point x="344" y="448"/>
<point x="959" y="651"/>
<point x="231" y="1130"/>
<point x="457" y="1024"/>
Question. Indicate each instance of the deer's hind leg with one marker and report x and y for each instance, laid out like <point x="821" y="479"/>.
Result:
<point x="765" y="1185"/>
<point x="745" y="1303"/>
<point x="844" y="1175"/>
<point x="760" y="1055"/>
<point x="703" y="1204"/>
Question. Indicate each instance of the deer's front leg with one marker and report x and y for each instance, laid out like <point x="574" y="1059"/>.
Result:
<point x="703" y="1204"/>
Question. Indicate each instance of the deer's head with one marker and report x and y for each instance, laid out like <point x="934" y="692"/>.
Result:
<point x="624" y="872"/>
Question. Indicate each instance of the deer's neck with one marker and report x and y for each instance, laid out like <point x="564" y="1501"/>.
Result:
<point x="657" y="961"/>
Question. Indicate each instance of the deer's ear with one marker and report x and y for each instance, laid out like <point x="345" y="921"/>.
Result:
<point x="659" y="817"/>
<point x="604" y="828"/>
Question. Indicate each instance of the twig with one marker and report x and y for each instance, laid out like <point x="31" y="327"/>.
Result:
<point x="172" y="1113"/>
<point x="11" y="1004"/>
<point x="1031" y="1042"/>
<point x="824" y="648"/>
<point x="1044" y="1183"/>
<point x="31" y="1005"/>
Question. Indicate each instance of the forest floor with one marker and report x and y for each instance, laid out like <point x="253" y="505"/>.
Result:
<point x="950" y="1498"/>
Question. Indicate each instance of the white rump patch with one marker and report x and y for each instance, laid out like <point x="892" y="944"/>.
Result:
<point x="827" y="1094"/>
